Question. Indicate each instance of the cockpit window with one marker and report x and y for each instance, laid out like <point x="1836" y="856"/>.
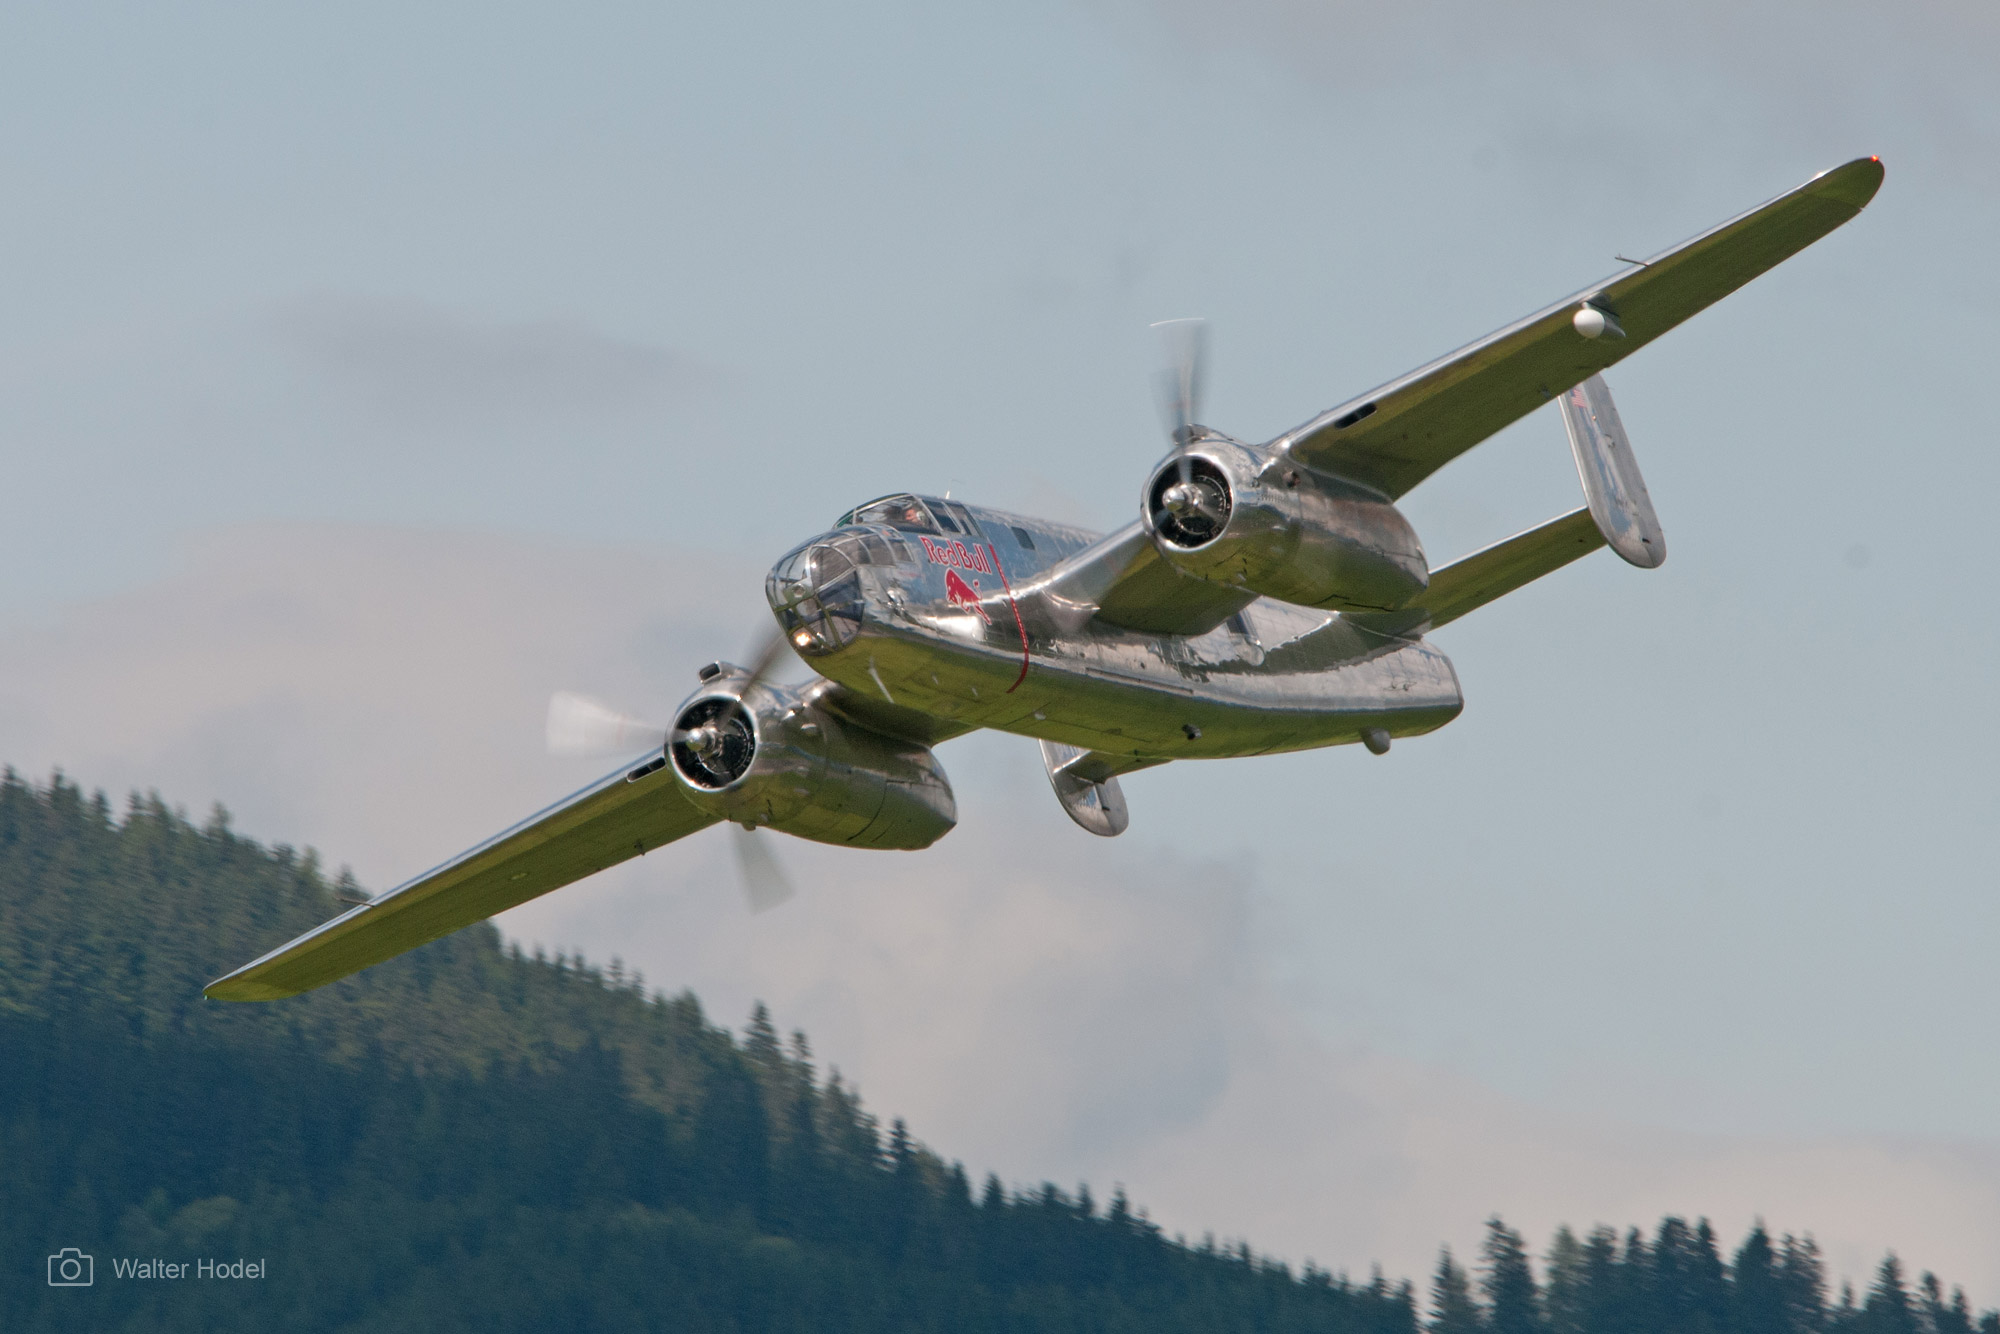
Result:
<point x="965" y="523"/>
<point x="904" y="512"/>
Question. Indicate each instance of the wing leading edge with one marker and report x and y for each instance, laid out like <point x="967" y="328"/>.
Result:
<point x="1404" y="431"/>
<point x="614" y="819"/>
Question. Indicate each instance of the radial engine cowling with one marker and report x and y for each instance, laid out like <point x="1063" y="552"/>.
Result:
<point x="1225" y="512"/>
<point x="772" y="756"/>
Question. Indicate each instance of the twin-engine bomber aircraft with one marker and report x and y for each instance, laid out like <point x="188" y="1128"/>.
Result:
<point x="1268" y="598"/>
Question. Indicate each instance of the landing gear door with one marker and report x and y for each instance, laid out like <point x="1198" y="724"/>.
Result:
<point x="1610" y="475"/>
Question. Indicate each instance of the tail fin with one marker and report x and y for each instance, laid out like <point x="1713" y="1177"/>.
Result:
<point x="1610" y="475"/>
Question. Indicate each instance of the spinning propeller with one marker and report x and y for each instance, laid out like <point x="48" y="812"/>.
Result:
<point x="1192" y="505"/>
<point x="579" y="726"/>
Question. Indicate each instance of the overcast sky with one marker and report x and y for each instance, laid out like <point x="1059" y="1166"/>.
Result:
<point x="367" y="375"/>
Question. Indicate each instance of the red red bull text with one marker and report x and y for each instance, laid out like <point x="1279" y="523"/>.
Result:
<point x="958" y="554"/>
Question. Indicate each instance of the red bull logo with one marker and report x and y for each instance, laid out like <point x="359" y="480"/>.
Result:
<point x="959" y="593"/>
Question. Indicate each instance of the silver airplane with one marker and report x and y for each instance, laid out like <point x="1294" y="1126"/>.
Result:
<point x="1268" y="597"/>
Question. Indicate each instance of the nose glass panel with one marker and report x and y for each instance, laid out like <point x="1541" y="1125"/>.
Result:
<point x="816" y="592"/>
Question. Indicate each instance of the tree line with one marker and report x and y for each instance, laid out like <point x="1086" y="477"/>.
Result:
<point x="1677" y="1282"/>
<point x="471" y="1137"/>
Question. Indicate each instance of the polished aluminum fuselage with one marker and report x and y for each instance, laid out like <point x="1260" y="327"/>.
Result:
<point x="958" y="631"/>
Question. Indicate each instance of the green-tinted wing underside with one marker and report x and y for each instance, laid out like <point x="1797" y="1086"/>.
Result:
<point x="608" y="822"/>
<point x="1467" y="584"/>
<point x="1471" y="583"/>
<point x="1406" y="430"/>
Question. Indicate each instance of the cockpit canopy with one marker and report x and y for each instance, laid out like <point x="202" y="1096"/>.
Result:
<point x="912" y="514"/>
<point x="904" y="512"/>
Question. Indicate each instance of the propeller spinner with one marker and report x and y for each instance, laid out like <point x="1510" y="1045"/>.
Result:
<point x="717" y="746"/>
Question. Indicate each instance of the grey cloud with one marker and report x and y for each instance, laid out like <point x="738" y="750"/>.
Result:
<point x="1571" y="82"/>
<point x="1040" y="1003"/>
<point x="417" y="366"/>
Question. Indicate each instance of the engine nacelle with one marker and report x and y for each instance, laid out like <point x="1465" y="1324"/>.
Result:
<point x="772" y="756"/>
<point x="1231" y="514"/>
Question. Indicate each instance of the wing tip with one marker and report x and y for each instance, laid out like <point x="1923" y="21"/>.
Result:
<point x="1851" y="183"/>
<point x="236" y="987"/>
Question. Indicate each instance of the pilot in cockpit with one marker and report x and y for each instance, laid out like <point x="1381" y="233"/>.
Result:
<point x="905" y="512"/>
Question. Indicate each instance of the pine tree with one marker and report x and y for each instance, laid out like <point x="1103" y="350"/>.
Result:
<point x="760" y="1038"/>
<point x="1888" y="1310"/>
<point x="1565" y="1298"/>
<point x="1607" y="1309"/>
<point x="1956" y="1318"/>
<point x="1708" y="1303"/>
<point x="1512" y="1304"/>
<point x="1844" y="1317"/>
<point x="1757" y="1294"/>
<point x="1803" y="1279"/>
<point x="1638" y="1306"/>
<point x="1453" y="1310"/>
<point x="1672" y="1282"/>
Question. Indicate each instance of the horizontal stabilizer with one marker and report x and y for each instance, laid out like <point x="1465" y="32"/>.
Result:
<point x="1467" y="584"/>
<point x="618" y="817"/>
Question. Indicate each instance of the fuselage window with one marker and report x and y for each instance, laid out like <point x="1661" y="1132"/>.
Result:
<point x="1023" y="539"/>
<point x="946" y="521"/>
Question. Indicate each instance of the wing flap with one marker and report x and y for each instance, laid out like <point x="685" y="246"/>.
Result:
<point x="1404" y="431"/>
<point x="614" y="819"/>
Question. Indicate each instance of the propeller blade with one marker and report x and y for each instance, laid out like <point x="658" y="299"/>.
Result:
<point x="1185" y="344"/>
<point x="765" y="884"/>
<point x="579" y="725"/>
<point x="766" y="656"/>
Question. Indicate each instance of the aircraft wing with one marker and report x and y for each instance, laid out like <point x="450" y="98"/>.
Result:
<point x="1123" y="580"/>
<point x="1468" y="584"/>
<point x="1401" y="433"/>
<point x="618" y="817"/>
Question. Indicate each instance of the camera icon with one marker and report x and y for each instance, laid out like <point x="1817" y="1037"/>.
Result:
<point x="71" y="1268"/>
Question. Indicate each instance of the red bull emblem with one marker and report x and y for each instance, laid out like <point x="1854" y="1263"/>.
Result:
<point x="961" y="594"/>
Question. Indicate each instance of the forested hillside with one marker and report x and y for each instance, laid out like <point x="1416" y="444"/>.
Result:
<point x="469" y="1139"/>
